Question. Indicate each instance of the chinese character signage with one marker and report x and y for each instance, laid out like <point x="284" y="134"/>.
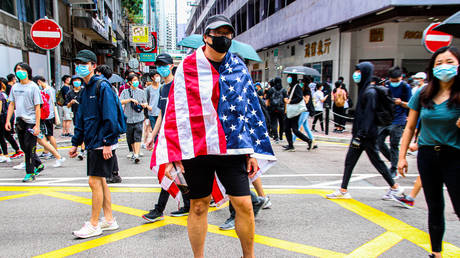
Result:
<point x="318" y="48"/>
<point x="139" y="34"/>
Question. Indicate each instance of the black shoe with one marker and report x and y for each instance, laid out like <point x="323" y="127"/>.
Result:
<point x="291" y="149"/>
<point x="286" y="147"/>
<point x="153" y="215"/>
<point x="114" y="179"/>
<point x="257" y="206"/>
<point x="181" y="212"/>
<point x="310" y="142"/>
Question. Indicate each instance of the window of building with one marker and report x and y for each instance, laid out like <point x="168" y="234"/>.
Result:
<point x="251" y="14"/>
<point x="271" y="7"/>
<point x="49" y="8"/>
<point x="243" y="18"/>
<point x="233" y="19"/>
<point x="293" y="50"/>
<point x="256" y="11"/>
<point x="8" y="6"/>
<point x="32" y="10"/>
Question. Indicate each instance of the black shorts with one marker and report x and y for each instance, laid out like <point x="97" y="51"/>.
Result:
<point x="230" y="169"/>
<point x="47" y="127"/>
<point x="98" y="166"/>
<point x="134" y="132"/>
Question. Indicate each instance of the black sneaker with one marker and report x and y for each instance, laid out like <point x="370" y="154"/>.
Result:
<point x="291" y="149"/>
<point x="114" y="179"/>
<point x="310" y="142"/>
<point x="180" y="213"/>
<point x="286" y="146"/>
<point x="257" y="206"/>
<point x="153" y="215"/>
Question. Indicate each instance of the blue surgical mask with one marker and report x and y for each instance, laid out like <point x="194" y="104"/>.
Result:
<point x="82" y="70"/>
<point x="163" y="70"/>
<point x="77" y="84"/>
<point x="289" y="80"/>
<point x="445" y="72"/>
<point x="357" y="77"/>
<point x="395" y="84"/>
<point x="21" y="75"/>
<point x="301" y="84"/>
<point x="135" y="84"/>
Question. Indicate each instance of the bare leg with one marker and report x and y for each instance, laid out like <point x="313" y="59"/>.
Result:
<point x="107" y="203"/>
<point x="95" y="183"/>
<point x="43" y="142"/>
<point x="136" y="147"/>
<point x="417" y="188"/>
<point x="244" y="223"/>
<point x="52" y="141"/>
<point x="197" y="224"/>
<point x="258" y="186"/>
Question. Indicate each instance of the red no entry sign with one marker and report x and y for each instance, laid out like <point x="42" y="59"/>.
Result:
<point x="434" y="40"/>
<point x="46" y="34"/>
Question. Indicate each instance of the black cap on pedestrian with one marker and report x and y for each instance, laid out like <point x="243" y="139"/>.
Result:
<point x="164" y="58"/>
<point x="86" y="56"/>
<point x="217" y="21"/>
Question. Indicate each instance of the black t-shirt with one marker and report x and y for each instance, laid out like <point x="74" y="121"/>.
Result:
<point x="216" y="65"/>
<point x="73" y="95"/>
<point x="164" y="93"/>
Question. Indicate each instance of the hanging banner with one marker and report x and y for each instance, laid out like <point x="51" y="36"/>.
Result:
<point x="139" y="34"/>
<point x="147" y="57"/>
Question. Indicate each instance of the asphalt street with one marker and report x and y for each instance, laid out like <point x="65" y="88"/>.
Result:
<point x="38" y="217"/>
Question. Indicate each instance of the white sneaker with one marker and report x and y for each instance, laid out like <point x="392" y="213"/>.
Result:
<point x="105" y="225"/>
<point x="130" y="155"/>
<point x="4" y="159"/>
<point x="267" y="204"/>
<point x="141" y="154"/>
<point x="21" y="166"/>
<point x="338" y="195"/>
<point x="393" y="192"/>
<point x="136" y="158"/>
<point x="59" y="162"/>
<point x="88" y="230"/>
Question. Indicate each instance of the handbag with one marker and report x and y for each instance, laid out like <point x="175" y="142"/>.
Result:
<point x="293" y="110"/>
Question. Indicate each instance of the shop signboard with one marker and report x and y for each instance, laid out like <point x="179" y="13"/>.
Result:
<point x="139" y="35"/>
<point x="147" y="57"/>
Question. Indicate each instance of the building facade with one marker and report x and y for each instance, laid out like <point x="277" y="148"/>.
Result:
<point x="331" y="36"/>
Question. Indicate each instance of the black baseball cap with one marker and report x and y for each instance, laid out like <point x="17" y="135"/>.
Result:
<point x="217" y="21"/>
<point x="164" y="58"/>
<point x="86" y="56"/>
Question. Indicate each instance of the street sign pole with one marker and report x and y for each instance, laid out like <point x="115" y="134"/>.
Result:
<point x="48" y="56"/>
<point x="57" y="51"/>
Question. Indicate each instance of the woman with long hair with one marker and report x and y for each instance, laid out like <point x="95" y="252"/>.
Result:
<point x="438" y="107"/>
<point x="4" y="134"/>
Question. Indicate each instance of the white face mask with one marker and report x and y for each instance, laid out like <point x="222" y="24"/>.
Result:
<point x="157" y="79"/>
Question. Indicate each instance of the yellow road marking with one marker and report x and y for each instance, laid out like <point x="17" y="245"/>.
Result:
<point x="9" y="197"/>
<point x="396" y="226"/>
<point x="377" y="246"/>
<point x="70" y="250"/>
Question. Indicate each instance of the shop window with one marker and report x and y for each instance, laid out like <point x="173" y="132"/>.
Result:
<point x="8" y="6"/>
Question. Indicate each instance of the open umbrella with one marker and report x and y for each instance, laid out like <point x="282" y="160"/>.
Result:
<point x="451" y="25"/>
<point x="115" y="78"/>
<point x="302" y="70"/>
<point x="244" y="50"/>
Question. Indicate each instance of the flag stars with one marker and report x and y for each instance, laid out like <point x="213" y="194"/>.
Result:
<point x="249" y="102"/>
<point x="253" y="112"/>
<point x="260" y="123"/>
<point x="251" y="131"/>
<point x="227" y="65"/>
<point x="266" y="134"/>
<point x="246" y="119"/>
<point x="238" y="79"/>
<point x="224" y="98"/>
<point x="240" y="98"/>
<point x="244" y="71"/>
<point x="222" y="78"/>
<point x="241" y="117"/>
<point x="224" y="117"/>
<point x="245" y="90"/>
<point x="233" y="127"/>
<point x="257" y="142"/>
<point x="232" y="107"/>
<point x="230" y="70"/>
<point x="240" y="136"/>
<point x="231" y="88"/>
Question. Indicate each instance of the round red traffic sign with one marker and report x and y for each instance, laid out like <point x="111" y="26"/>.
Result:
<point x="434" y="40"/>
<point x="46" y="34"/>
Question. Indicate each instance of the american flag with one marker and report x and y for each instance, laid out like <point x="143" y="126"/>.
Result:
<point x="211" y="112"/>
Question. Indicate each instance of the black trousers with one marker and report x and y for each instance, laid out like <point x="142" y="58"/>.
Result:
<point x="353" y="154"/>
<point x="277" y="118"/>
<point x="339" y="112"/>
<point x="292" y="125"/>
<point x="6" y="135"/>
<point x="28" y="143"/>
<point x="438" y="167"/>
<point x="163" y="200"/>
<point x="254" y="200"/>
<point x="318" y="116"/>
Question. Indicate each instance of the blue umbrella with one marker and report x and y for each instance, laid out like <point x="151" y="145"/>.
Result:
<point x="244" y="50"/>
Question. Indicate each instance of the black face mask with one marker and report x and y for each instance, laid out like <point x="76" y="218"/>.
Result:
<point x="220" y="44"/>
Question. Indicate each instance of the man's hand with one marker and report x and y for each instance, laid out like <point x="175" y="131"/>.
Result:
<point x="170" y="166"/>
<point x="135" y="101"/>
<point x="402" y="167"/>
<point x="73" y="152"/>
<point x="36" y="130"/>
<point x="8" y="125"/>
<point x="458" y="123"/>
<point x="150" y="143"/>
<point x="398" y="101"/>
<point x="107" y="152"/>
<point x="252" y="166"/>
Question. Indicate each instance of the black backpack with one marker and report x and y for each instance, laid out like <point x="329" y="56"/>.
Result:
<point x="385" y="109"/>
<point x="277" y="100"/>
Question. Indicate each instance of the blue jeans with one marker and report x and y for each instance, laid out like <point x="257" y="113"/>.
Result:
<point x="303" y="121"/>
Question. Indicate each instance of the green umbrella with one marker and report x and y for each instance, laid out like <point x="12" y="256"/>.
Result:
<point x="244" y="50"/>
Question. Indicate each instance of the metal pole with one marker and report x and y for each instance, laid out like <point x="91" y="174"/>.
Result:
<point x="57" y="50"/>
<point x="49" y="65"/>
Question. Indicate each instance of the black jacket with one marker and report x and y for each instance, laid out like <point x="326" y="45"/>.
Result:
<point x="364" y="125"/>
<point x="298" y="94"/>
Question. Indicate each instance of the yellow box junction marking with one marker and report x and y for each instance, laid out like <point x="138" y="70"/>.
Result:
<point x="396" y="229"/>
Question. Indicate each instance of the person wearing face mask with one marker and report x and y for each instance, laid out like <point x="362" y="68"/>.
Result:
<point x="419" y="82"/>
<point x="25" y="100"/>
<point x="73" y="101"/>
<point x="364" y="134"/>
<point x="401" y="93"/>
<point x="99" y="123"/>
<point x="275" y="102"/>
<point x="214" y="128"/>
<point x="153" y="96"/>
<point x="437" y="105"/>
<point x="134" y="101"/>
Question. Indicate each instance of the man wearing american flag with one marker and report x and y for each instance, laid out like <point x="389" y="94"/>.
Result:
<point x="214" y="132"/>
